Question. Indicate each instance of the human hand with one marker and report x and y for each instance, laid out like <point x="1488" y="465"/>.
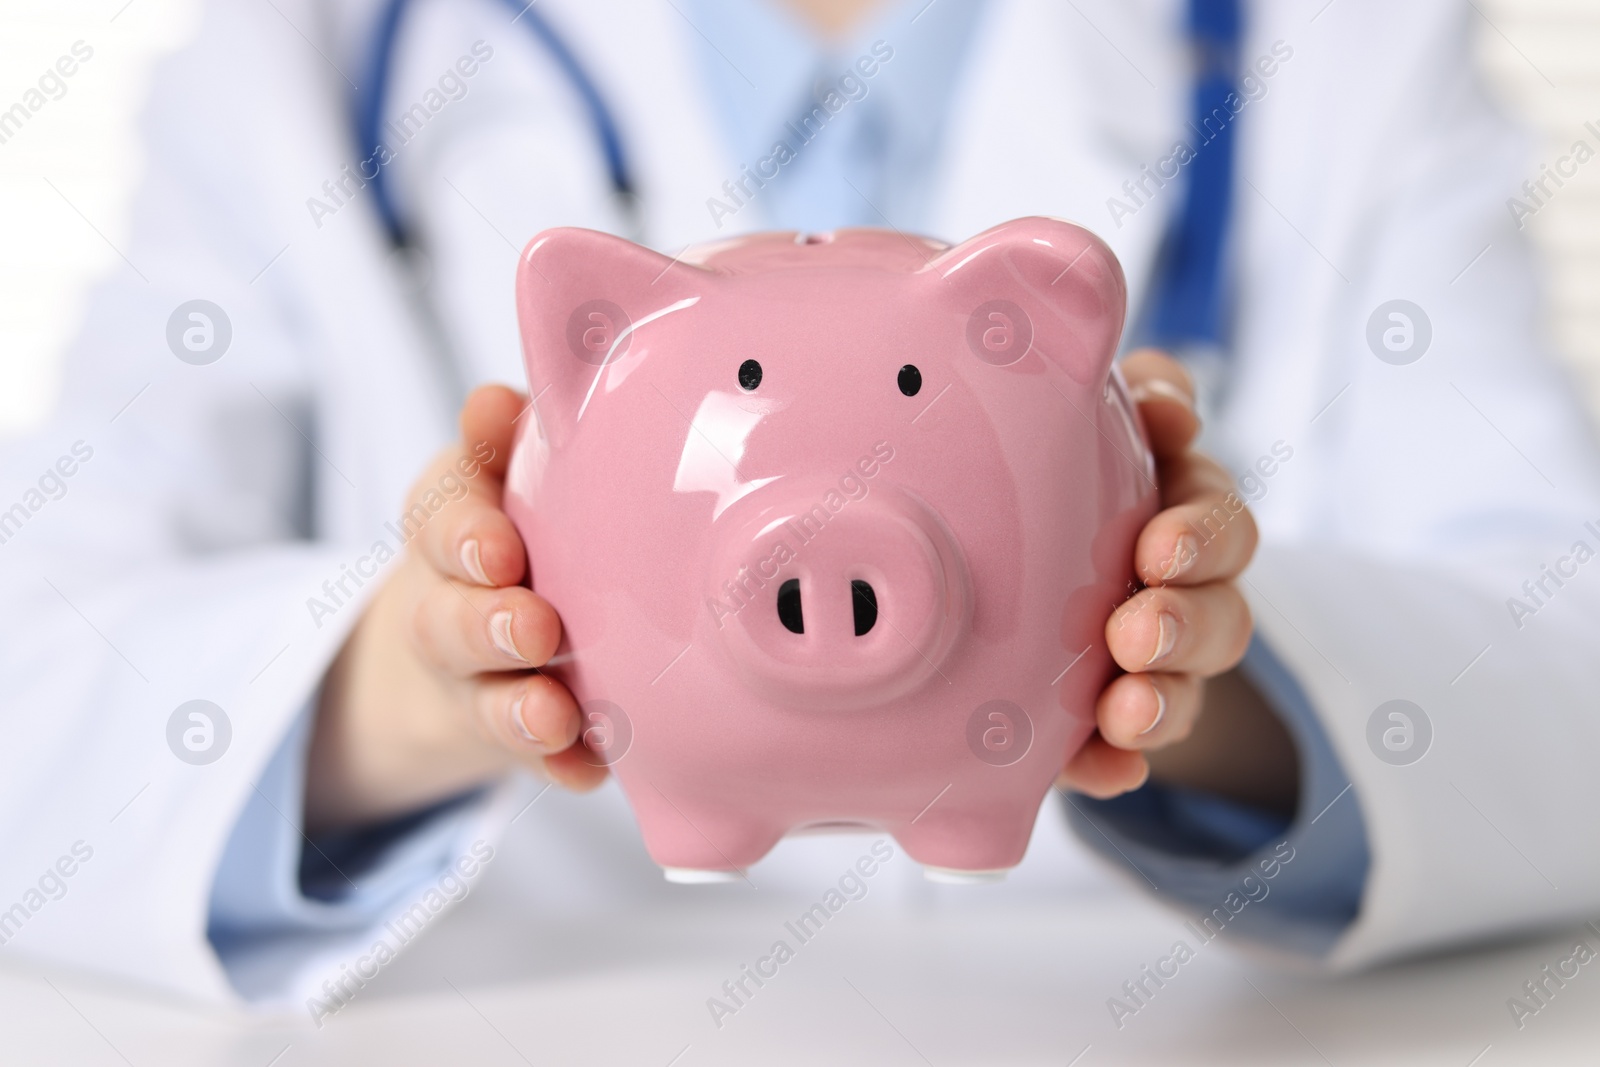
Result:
<point x="1190" y="623"/>
<point x="435" y="691"/>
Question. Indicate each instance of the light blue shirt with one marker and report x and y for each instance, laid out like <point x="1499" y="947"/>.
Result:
<point x="865" y="164"/>
<point x="277" y="891"/>
<point x="865" y="160"/>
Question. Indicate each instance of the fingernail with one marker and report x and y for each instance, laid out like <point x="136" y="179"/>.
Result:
<point x="1166" y="637"/>
<point x="1159" y="387"/>
<point x="1183" y="554"/>
<point x="472" y="560"/>
<point x="500" y="634"/>
<point x="517" y="720"/>
<point x="1161" y="711"/>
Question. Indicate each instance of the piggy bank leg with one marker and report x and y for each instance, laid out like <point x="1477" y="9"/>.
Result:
<point x="698" y="842"/>
<point x="967" y="846"/>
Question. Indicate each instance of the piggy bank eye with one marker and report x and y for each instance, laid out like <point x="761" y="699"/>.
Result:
<point x="910" y="380"/>
<point x="749" y="375"/>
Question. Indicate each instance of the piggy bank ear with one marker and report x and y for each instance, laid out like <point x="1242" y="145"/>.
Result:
<point x="1037" y="286"/>
<point x="581" y="297"/>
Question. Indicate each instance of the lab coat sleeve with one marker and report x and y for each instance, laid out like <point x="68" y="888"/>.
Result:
<point x="1293" y="885"/>
<point x="186" y="530"/>
<point x="1430" y="515"/>
<point x="279" y="891"/>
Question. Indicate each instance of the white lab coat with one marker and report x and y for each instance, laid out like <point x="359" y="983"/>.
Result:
<point x="1417" y="500"/>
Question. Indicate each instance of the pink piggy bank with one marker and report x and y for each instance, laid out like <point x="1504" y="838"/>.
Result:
<point x="834" y="524"/>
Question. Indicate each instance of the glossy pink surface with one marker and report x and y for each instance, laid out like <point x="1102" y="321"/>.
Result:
<point x="992" y="514"/>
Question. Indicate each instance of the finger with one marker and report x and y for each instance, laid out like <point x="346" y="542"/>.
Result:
<point x="489" y="422"/>
<point x="1138" y="711"/>
<point x="1210" y="537"/>
<point x="1164" y="394"/>
<point x="464" y="630"/>
<point x="454" y="519"/>
<point x="530" y="715"/>
<point x="1191" y="475"/>
<point x="536" y="719"/>
<point x="575" y="769"/>
<point x="1102" y="771"/>
<point x="1204" y="630"/>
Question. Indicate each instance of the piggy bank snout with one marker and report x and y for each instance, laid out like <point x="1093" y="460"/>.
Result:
<point x="826" y="601"/>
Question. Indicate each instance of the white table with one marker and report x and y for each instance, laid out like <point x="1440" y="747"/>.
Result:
<point x="1011" y="978"/>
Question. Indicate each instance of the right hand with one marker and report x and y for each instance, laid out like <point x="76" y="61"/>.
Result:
<point x="435" y="692"/>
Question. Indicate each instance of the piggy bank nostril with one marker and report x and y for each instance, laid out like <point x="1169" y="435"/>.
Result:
<point x="865" y="600"/>
<point x="789" y="612"/>
<point x="863" y="603"/>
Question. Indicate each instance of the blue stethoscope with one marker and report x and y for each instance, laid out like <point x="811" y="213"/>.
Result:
<point x="1187" y="308"/>
<point x="370" y="104"/>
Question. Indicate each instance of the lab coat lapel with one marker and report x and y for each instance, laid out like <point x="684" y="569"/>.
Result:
<point x="1105" y="85"/>
<point x="384" y="406"/>
<point x="643" y="57"/>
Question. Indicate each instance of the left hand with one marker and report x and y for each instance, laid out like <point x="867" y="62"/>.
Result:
<point x="1190" y="623"/>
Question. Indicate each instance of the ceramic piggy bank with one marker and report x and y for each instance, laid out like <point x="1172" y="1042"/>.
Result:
<point x="834" y="524"/>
